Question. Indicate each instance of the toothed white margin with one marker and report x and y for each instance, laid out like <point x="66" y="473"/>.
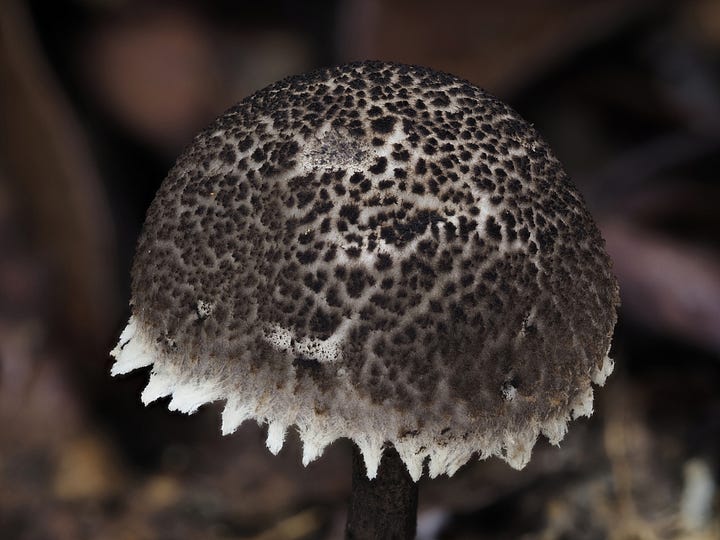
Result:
<point x="599" y="376"/>
<point x="275" y="437"/>
<point x="130" y="353"/>
<point x="367" y="424"/>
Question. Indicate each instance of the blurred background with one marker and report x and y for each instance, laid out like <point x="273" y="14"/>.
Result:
<point x="98" y="98"/>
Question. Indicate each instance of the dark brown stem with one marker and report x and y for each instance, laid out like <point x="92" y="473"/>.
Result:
<point x="385" y="507"/>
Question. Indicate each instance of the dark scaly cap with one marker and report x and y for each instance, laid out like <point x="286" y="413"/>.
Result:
<point x="380" y="252"/>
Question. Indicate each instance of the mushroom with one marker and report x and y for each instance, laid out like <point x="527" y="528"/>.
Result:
<point x="380" y="252"/>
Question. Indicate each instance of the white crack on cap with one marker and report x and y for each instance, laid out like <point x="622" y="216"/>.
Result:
<point x="379" y="252"/>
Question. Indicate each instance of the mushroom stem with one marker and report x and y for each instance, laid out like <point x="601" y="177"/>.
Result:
<point x="385" y="507"/>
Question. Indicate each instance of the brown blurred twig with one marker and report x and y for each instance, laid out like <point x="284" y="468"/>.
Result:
<point x="47" y="163"/>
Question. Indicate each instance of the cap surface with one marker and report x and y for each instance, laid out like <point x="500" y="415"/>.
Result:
<point x="380" y="252"/>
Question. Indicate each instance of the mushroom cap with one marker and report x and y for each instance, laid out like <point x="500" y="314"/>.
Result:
<point x="380" y="252"/>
